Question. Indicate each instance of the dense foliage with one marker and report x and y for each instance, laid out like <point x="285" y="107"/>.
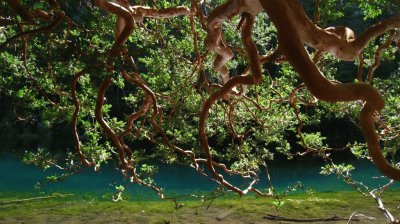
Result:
<point x="277" y="117"/>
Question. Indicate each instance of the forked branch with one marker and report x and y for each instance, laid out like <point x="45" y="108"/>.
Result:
<point x="290" y="44"/>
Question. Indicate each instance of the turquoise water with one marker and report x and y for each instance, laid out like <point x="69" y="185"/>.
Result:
<point x="18" y="177"/>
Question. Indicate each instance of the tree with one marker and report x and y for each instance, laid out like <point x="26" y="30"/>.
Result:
<point x="168" y="77"/>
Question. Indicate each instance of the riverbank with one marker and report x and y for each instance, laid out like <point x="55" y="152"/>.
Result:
<point x="83" y="208"/>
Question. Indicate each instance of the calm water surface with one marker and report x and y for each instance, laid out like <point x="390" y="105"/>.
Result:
<point x="18" y="177"/>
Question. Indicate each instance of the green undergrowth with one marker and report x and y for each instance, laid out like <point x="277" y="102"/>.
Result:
<point x="81" y="208"/>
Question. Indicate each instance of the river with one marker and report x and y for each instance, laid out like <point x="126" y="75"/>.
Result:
<point x="16" y="176"/>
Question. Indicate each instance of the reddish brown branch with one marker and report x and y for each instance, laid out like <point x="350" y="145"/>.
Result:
<point x="378" y="54"/>
<point x="57" y="19"/>
<point x="140" y="12"/>
<point x="253" y="79"/>
<point x="99" y="117"/>
<point x="196" y="7"/>
<point x="331" y="42"/>
<point x="135" y="79"/>
<point x="20" y="9"/>
<point x="214" y="40"/>
<point x="343" y="33"/>
<point x="125" y="23"/>
<point x="281" y="13"/>
<point x="75" y="118"/>
<point x="293" y="100"/>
